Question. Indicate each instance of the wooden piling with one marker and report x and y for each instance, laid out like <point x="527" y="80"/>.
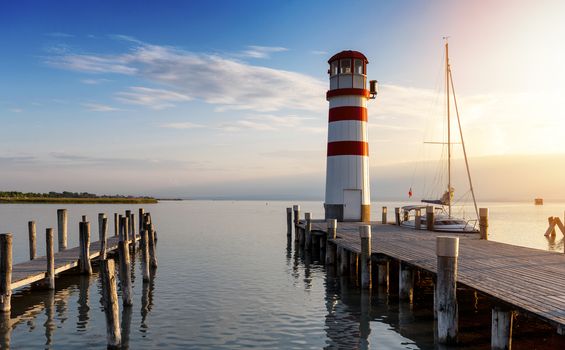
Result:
<point x="384" y="215"/>
<point x="120" y="227"/>
<point x="343" y="261"/>
<point x="331" y="248"/>
<point x="406" y="282"/>
<point x="501" y="329"/>
<point x="84" y="218"/>
<point x="141" y="218"/>
<point x="133" y="240"/>
<point x="366" y="265"/>
<point x="49" y="253"/>
<point x="125" y="273"/>
<point x="62" y="221"/>
<point x="103" y="233"/>
<point x="308" y="231"/>
<point x="145" y="255"/>
<point x="382" y="274"/>
<point x="296" y="210"/>
<point x="31" y="233"/>
<point x="447" y="251"/>
<point x="84" y="239"/>
<point x="152" y="247"/>
<point x="125" y="224"/>
<point x="5" y="272"/>
<point x="397" y="216"/>
<point x="483" y="222"/>
<point x="110" y="302"/>
<point x="353" y="265"/>
<point x="418" y="219"/>
<point x="430" y="218"/>
<point x="116" y="224"/>
<point x="289" y="222"/>
<point x="101" y="217"/>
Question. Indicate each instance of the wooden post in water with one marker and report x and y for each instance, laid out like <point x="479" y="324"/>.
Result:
<point x="483" y="223"/>
<point x="31" y="232"/>
<point x="501" y="329"/>
<point x="343" y="261"/>
<point x="353" y="265"/>
<point x="397" y="216"/>
<point x="418" y="219"/>
<point x="5" y="272"/>
<point x="110" y="302"/>
<point x="384" y="216"/>
<point x="62" y="220"/>
<point x="120" y="227"/>
<point x="101" y="217"/>
<point x="125" y="272"/>
<point x="152" y="247"/>
<point x="331" y="247"/>
<point x="145" y="255"/>
<point x="289" y="222"/>
<point x="84" y="218"/>
<point x="308" y="230"/>
<point x="125" y="223"/>
<point x="84" y="239"/>
<point x="447" y="251"/>
<point x="382" y="274"/>
<point x="116" y="225"/>
<point x="366" y="265"/>
<point x="49" y="253"/>
<point x="406" y="282"/>
<point x="141" y="218"/>
<point x="132" y="232"/>
<point x="430" y="218"/>
<point x="103" y="233"/>
<point x="296" y="209"/>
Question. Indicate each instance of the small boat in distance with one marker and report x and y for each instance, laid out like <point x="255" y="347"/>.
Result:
<point x="443" y="217"/>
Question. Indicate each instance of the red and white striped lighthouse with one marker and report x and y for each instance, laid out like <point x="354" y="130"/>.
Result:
<point x="348" y="196"/>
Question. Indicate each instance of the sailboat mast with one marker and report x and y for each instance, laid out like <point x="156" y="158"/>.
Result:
<point x="448" y="127"/>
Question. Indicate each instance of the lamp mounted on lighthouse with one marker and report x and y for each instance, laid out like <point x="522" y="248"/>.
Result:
<point x="348" y="196"/>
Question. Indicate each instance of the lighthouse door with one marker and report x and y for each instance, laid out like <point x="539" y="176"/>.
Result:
<point x="352" y="205"/>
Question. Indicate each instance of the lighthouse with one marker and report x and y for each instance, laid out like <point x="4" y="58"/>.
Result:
<point x="348" y="196"/>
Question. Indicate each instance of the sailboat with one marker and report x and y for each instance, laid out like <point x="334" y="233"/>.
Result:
<point x="444" y="220"/>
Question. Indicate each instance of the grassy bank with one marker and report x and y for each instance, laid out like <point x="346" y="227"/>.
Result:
<point x="100" y="200"/>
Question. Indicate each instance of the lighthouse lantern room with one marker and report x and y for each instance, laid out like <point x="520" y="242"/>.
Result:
<point x="347" y="173"/>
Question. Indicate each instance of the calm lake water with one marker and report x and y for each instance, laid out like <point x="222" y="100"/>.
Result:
<point x="228" y="280"/>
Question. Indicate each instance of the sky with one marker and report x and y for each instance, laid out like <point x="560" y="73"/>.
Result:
<point x="226" y="99"/>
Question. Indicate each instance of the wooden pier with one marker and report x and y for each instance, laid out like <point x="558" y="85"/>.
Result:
<point x="517" y="279"/>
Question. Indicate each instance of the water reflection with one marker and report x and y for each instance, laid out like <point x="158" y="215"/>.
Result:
<point x="83" y="307"/>
<point x="554" y="244"/>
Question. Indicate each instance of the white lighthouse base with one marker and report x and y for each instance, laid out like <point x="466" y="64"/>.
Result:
<point x="336" y="211"/>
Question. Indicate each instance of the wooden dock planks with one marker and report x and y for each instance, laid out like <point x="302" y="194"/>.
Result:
<point x="529" y="279"/>
<point x="28" y="272"/>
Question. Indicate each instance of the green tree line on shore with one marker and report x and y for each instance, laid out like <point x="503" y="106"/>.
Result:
<point x="64" y="194"/>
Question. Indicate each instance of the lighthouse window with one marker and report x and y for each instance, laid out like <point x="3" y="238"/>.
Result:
<point x="345" y="66"/>
<point x="334" y="68"/>
<point x="358" y="66"/>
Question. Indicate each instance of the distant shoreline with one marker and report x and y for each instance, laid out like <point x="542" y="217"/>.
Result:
<point x="100" y="200"/>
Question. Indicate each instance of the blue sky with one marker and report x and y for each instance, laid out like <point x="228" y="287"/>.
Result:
<point x="213" y="98"/>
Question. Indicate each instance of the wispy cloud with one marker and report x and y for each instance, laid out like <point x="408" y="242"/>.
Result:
<point x="94" y="81"/>
<point x="59" y="35"/>
<point x="16" y="110"/>
<point x="217" y="80"/>
<point x="152" y="98"/>
<point x="96" y="107"/>
<point x="254" y="51"/>
<point x="181" y="125"/>
<point x="265" y="122"/>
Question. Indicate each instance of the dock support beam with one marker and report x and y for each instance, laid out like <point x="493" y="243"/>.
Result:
<point x="32" y="233"/>
<point x="382" y="274"/>
<point x="296" y="210"/>
<point x="501" y="328"/>
<point x="103" y="233"/>
<point x="397" y="216"/>
<point x="343" y="261"/>
<point x="483" y="223"/>
<point x="125" y="272"/>
<point x="383" y="216"/>
<point x="62" y="221"/>
<point x="5" y="272"/>
<point x="84" y="241"/>
<point x="288" y="222"/>
<point x="331" y="247"/>
<point x="307" y="231"/>
<point x="418" y="219"/>
<point x="447" y="251"/>
<point x="430" y="218"/>
<point x="405" y="282"/>
<point x="366" y="264"/>
<point x="110" y="302"/>
<point x="49" y="253"/>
